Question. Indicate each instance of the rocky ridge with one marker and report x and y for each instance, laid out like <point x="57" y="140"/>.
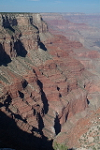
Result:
<point x="76" y="27"/>
<point x="75" y="127"/>
<point x="41" y="85"/>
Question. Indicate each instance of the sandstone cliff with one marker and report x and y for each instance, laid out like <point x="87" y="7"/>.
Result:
<point x="41" y="85"/>
<point x="82" y="129"/>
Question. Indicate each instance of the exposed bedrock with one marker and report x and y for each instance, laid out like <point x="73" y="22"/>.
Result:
<point x="19" y="33"/>
<point x="81" y="129"/>
<point x="41" y="86"/>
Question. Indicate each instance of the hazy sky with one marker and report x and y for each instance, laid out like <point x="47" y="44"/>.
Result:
<point x="84" y="6"/>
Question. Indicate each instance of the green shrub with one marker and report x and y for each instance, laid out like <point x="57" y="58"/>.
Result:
<point x="58" y="146"/>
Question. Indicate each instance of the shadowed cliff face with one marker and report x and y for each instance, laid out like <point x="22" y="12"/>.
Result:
<point x="4" y="57"/>
<point x="12" y="136"/>
<point x="42" y="85"/>
<point x="20" y="50"/>
<point x="19" y="33"/>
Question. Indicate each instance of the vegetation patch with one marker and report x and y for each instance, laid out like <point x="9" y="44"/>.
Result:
<point x="58" y="146"/>
<point x="3" y="79"/>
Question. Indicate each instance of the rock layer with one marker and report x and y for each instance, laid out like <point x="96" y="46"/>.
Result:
<point x="41" y="85"/>
<point x="75" y="132"/>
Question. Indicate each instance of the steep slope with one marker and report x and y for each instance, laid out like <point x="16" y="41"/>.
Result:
<point x="75" y="132"/>
<point x="76" y="27"/>
<point x="41" y="85"/>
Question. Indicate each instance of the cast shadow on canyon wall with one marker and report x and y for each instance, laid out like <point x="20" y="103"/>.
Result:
<point x="12" y="136"/>
<point x="10" y="29"/>
<point x="57" y="125"/>
<point x="20" y="49"/>
<point x="43" y="97"/>
<point x="42" y="46"/>
<point x="4" y="57"/>
<point x="9" y="22"/>
<point x="7" y="102"/>
<point x="6" y="105"/>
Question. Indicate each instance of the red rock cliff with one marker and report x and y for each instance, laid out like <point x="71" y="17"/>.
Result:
<point x="40" y="85"/>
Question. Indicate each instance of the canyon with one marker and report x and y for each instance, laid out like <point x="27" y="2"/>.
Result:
<point x="49" y="82"/>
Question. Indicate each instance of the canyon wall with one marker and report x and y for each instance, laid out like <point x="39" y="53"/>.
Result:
<point x="76" y="131"/>
<point x="42" y="85"/>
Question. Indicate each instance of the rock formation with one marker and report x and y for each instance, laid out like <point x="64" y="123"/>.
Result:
<point x="42" y="85"/>
<point x="75" y="132"/>
<point x="76" y="27"/>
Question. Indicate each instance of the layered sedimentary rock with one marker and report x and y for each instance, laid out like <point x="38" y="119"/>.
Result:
<point x="76" y="26"/>
<point x="20" y="33"/>
<point x="76" y="131"/>
<point x="41" y="85"/>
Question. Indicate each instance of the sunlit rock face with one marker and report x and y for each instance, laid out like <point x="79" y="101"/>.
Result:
<point x="45" y="88"/>
<point x="20" y="33"/>
<point x="76" y="131"/>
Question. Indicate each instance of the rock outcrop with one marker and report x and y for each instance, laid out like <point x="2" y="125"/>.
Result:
<point x="75" y="132"/>
<point x="42" y="85"/>
<point x="19" y="33"/>
<point x="76" y="27"/>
